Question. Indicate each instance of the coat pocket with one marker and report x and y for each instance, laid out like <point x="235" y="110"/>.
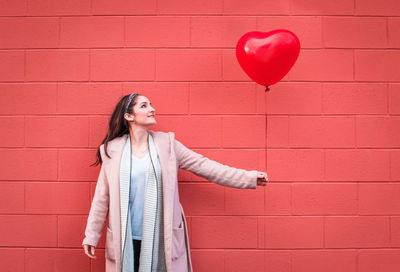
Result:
<point x="109" y="252"/>
<point x="178" y="242"/>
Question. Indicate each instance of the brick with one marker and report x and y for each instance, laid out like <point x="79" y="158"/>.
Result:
<point x="156" y="92"/>
<point x="357" y="231"/>
<point x="256" y="6"/>
<point x="71" y="231"/>
<point x="98" y="127"/>
<point x="28" y="98"/>
<point x="13" y="131"/>
<point x="354" y="98"/>
<point x="370" y="260"/>
<point x="354" y="32"/>
<point x="188" y="65"/>
<point x="277" y="131"/>
<point x="57" y="65"/>
<point x="12" y="65"/>
<point x="122" y="64"/>
<point x="28" y="230"/>
<point x="157" y="31"/>
<point x="357" y="165"/>
<point x="12" y="197"/>
<point x="261" y="98"/>
<point x="219" y="31"/>
<point x="202" y="199"/>
<point x="54" y="259"/>
<point x="377" y="65"/>
<point x="393" y="32"/>
<point x="277" y="198"/>
<point x="224" y="232"/>
<point x="324" y="260"/>
<point x="311" y="7"/>
<point x="376" y="7"/>
<point x="300" y="232"/>
<point x="395" y="231"/>
<point x="378" y="132"/>
<point x="296" y="164"/>
<point x="244" y="260"/>
<point x="294" y="98"/>
<point x="249" y="129"/>
<point x="208" y="259"/>
<point x="25" y="32"/>
<point x="385" y="194"/>
<point x="198" y="136"/>
<point x="123" y="7"/>
<point x="28" y="164"/>
<point x="261" y="231"/>
<point x="98" y="264"/>
<point x="13" y="8"/>
<point x="278" y="260"/>
<point x="324" y="199"/>
<point x="83" y="98"/>
<point x="394" y="164"/>
<point x="190" y="7"/>
<point x="60" y="7"/>
<point x="244" y="202"/>
<point x="74" y="165"/>
<point x="307" y="28"/>
<point x="326" y="132"/>
<point x="57" y="197"/>
<point x="312" y="65"/>
<point x="394" y="99"/>
<point x="92" y="31"/>
<point x="242" y="102"/>
<point x="73" y="131"/>
<point x="10" y="259"/>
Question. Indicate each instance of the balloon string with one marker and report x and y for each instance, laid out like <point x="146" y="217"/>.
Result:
<point x="266" y="126"/>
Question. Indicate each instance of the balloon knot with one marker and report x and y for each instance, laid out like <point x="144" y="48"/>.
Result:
<point x="266" y="88"/>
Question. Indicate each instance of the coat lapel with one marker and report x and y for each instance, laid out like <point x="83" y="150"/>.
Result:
<point x="163" y="146"/>
<point x="124" y="188"/>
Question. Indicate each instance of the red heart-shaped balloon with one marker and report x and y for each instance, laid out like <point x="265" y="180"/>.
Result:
<point x="267" y="57"/>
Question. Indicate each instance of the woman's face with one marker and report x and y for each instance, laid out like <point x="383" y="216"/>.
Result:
<point x="144" y="113"/>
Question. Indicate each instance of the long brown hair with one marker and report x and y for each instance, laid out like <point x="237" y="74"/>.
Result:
<point x="117" y="126"/>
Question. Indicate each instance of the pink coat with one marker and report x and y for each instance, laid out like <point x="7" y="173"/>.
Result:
<point x="172" y="155"/>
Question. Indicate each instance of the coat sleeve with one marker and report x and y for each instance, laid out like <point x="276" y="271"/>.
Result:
<point x="212" y="170"/>
<point x="99" y="209"/>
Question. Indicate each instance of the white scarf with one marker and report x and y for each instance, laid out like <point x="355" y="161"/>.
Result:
<point x="152" y="254"/>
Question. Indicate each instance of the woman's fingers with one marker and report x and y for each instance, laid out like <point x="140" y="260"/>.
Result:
<point x="262" y="178"/>
<point x="89" y="251"/>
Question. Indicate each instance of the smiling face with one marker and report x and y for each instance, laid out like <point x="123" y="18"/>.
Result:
<point x="143" y="112"/>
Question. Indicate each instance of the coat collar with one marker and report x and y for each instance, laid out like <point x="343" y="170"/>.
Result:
<point x="160" y="138"/>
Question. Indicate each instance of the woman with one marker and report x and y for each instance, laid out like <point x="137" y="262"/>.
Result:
<point x="138" y="189"/>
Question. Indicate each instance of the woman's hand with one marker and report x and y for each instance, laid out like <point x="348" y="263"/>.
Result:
<point x="89" y="250"/>
<point x="262" y="178"/>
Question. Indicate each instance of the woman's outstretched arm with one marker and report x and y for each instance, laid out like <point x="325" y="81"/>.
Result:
<point x="213" y="170"/>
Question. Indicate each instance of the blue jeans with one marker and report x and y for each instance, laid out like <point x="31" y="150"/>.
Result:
<point x="136" y="248"/>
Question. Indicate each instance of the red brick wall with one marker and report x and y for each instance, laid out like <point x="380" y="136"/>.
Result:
<point x="332" y="128"/>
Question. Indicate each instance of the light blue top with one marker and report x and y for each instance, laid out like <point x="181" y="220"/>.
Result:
<point x="136" y="198"/>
